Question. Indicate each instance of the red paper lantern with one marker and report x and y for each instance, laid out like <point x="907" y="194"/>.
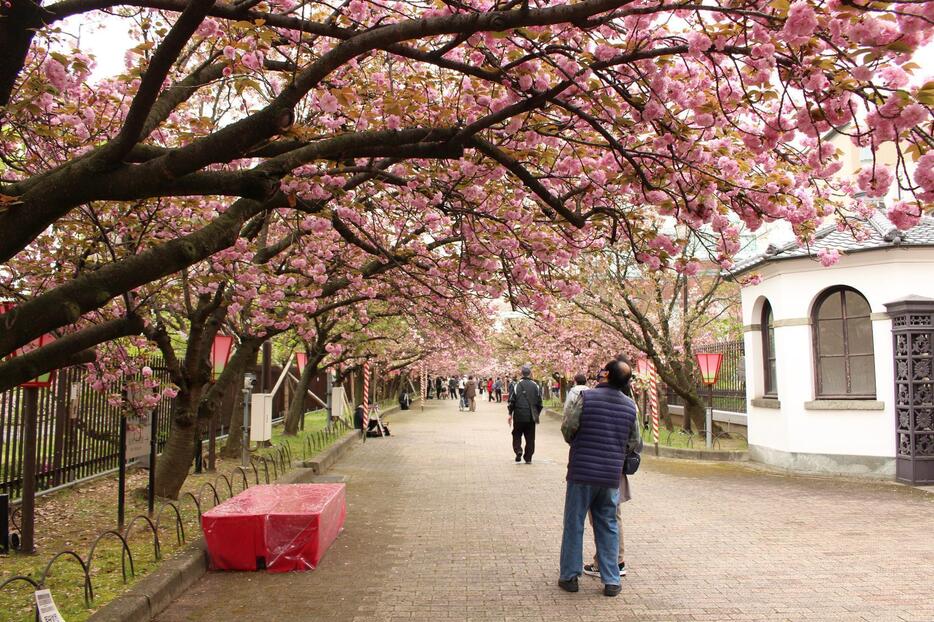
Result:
<point x="220" y="353"/>
<point x="709" y="364"/>
<point x="642" y="367"/>
<point x="43" y="381"/>
<point x="301" y="358"/>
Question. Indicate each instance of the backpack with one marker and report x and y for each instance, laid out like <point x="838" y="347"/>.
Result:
<point x="535" y="414"/>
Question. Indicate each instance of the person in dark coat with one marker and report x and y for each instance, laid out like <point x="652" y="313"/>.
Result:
<point x="525" y="407"/>
<point x="606" y="433"/>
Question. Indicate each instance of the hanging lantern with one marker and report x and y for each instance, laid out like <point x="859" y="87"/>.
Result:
<point x="43" y="381"/>
<point x="642" y="367"/>
<point x="709" y="364"/>
<point x="220" y="353"/>
<point x="301" y="358"/>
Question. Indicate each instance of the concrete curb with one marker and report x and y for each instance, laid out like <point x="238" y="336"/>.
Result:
<point x="695" y="454"/>
<point x="326" y="459"/>
<point x="152" y="594"/>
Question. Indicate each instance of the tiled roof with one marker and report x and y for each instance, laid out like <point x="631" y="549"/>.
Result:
<point x="883" y="234"/>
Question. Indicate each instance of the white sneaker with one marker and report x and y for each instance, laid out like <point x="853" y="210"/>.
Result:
<point x="592" y="570"/>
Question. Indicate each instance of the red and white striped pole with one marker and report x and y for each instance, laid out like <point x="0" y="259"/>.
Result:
<point x="366" y="396"/>
<point x="424" y="385"/>
<point x="653" y="400"/>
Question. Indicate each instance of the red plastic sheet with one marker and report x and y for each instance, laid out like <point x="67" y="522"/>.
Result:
<point x="282" y="527"/>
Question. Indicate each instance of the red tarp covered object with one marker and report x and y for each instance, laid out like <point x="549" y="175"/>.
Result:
<point x="285" y="527"/>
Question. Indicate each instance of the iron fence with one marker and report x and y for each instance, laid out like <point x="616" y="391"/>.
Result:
<point x="729" y="394"/>
<point x="77" y="432"/>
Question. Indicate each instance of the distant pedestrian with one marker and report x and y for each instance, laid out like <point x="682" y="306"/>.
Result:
<point x="498" y="389"/>
<point x="439" y="384"/>
<point x="452" y="387"/>
<point x="489" y="389"/>
<point x="470" y="394"/>
<point x="461" y="387"/>
<point x="604" y="436"/>
<point x="525" y="407"/>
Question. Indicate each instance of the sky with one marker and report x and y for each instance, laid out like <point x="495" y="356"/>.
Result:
<point x="111" y="41"/>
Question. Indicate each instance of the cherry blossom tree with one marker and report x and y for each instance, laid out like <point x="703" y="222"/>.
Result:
<point x="661" y="308"/>
<point x="521" y="133"/>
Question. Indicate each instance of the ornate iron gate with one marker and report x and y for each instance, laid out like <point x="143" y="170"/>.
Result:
<point x="913" y="334"/>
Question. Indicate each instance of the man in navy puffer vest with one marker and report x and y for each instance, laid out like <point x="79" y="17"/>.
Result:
<point x="595" y="467"/>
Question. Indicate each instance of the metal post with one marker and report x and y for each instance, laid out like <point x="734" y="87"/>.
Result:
<point x="153" y="448"/>
<point x="330" y="406"/>
<point x="28" y="506"/>
<point x="121" y="476"/>
<point x="212" y="442"/>
<point x="4" y="523"/>
<point x="248" y="379"/>
<point x="709" y="416"/>
<point x="199" y="449"/>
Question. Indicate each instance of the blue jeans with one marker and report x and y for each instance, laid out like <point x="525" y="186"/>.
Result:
<point x="601" y="502"/>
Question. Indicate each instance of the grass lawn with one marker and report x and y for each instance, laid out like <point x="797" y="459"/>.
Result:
<point x="679" y="438"/>
<point x="74" y="517"/>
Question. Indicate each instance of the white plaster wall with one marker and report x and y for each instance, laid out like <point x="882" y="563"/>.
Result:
<point x="791" y="286"/>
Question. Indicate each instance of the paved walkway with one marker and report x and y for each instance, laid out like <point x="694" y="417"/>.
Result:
<point x="443" y="525"/>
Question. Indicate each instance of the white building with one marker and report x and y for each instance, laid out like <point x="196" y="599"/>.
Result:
<point x="819" y="348"/>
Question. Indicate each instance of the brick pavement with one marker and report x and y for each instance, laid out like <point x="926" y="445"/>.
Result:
<point x="443" y="525"/>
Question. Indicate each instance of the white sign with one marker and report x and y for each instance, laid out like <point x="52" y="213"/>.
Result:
<point x="48" y="612"/>
<point x="337" y="402"/>
<point x="261" y="417"/>
<point x="138" y="434"/>
<point x="74" y="401"/>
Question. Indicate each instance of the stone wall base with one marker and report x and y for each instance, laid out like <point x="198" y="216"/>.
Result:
<point x="870" y="467"/>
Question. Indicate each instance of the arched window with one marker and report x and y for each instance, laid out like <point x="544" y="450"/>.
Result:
<point x="768" y="351"/>
<point x="843" y="352"/>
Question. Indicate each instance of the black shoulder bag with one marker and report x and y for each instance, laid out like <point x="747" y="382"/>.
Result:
<point x="632" y="460"/>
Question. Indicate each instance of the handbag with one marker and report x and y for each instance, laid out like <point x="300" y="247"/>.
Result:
<point x="631" y="463"/>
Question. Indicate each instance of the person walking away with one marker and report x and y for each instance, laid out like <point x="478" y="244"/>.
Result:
<point x="461" y="386"/>
<point x="489" y="389"/>
<point x="498" y="389"/>
<point x="452" y="387"/>
<point x="511" y="387"/>
<point x="525" y="407"/>
<point x="606" y="433"/>
<point x="438" y="386"/>
<point x="470" y="394"/>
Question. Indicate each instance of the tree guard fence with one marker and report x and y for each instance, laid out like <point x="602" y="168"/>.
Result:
<point x="729" y="394"/>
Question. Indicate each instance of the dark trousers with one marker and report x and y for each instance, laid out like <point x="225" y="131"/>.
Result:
<point x="526" y="429"/>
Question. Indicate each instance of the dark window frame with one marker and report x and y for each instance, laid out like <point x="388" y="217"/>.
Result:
<point x="767" y="328"/>
<point x="850" y="394"/>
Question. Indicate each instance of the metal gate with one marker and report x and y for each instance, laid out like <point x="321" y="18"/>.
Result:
<point x="913" y="332"/>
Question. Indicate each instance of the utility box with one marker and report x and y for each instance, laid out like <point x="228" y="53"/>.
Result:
<point x="261" y="417"/>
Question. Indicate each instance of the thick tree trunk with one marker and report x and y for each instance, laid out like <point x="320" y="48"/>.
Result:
<point x="694" y="415"/>
<point x="175" y="461"/>
<point x="297" y="407"/>
<point x="242" y="359"/>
